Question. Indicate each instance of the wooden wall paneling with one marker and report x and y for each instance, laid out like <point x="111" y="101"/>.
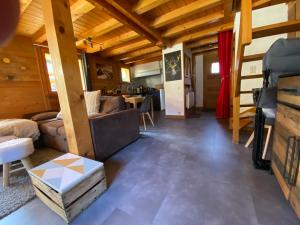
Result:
<point x="59" y="30"/>
<point x="211" y="82"/>
<point x="20" y="88"/>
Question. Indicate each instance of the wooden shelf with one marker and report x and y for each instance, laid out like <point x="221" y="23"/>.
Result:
<point x="250" y="58"/>
<point x="255" y="76"/>
<point x="278" y="28"/>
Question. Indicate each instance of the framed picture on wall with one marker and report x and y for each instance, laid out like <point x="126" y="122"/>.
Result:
<point x="104" y="71"/>
<point x="173" y="66"/>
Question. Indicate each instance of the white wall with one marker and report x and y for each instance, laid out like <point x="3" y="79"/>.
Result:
<point x="260" y="17"/>
<point x="199" y="80"/>
<point x="174" y="90"/>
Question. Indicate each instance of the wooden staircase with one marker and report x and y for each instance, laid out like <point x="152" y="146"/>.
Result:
<point x="246" y="35"/>
<point x="246" y="118"/>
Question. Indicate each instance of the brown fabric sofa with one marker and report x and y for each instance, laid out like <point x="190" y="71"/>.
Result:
<point x="113" y="128"/>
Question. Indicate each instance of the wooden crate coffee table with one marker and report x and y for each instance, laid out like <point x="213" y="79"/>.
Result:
<point x="68" y="184"/>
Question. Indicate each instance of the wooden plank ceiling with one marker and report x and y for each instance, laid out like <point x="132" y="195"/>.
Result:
<point x="135" y="30"/>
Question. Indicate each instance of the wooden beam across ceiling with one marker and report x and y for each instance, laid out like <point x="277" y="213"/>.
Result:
<point x="78" y="9"/>
<point x="122" y="49"/>
<point x="192" y="24"/>
<point x="138" y="53"/>
<point x="102" y="28"/>
<point x="98" y="30"/>
<point x="204" y="33"/>
<point x="203" y="42"/>
<point x="184" y="11"/>
<point x="121" y="11"/>
<point x="144" y="57"/>
<point x="204" y="49"/>
<point x="265" y="3"/>
<point x="114" y="41"/>
<point x="146" y="5"/>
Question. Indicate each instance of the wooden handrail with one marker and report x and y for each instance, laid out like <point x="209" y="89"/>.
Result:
<point x="245" y="38"/>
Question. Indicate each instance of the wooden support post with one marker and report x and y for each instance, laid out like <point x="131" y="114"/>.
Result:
<point x="298" y="15"/>
<point x="236" y="120"/>
<point x="61" y="41"/>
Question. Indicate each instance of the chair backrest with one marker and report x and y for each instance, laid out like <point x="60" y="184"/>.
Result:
<point x="145" y="107"/>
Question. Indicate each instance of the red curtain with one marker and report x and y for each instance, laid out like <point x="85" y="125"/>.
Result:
<point x="225" y="57"/>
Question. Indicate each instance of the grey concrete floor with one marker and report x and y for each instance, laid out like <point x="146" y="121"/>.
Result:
<point x="179" y="173"/>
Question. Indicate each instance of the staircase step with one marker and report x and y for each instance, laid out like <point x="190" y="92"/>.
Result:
<point x="255" y="76"/>
<point x="248" y="113"/>
<point x="278" y="28"/>
<point x="250" y="58"/>
<point x="247" y="105"/>
<point x="245" y="92"/>
<point x="243" y="122"/>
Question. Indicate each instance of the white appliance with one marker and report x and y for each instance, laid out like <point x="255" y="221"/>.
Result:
<point x="190" y="99"/>
<point x="147" y="69"/>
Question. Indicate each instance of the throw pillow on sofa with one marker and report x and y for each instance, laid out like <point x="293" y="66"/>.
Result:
<point x="92" y="102"/>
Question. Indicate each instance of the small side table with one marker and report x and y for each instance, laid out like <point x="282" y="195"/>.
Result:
<point x="68" y="184"/>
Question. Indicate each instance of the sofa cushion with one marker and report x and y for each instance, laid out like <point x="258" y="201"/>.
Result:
<point x="92" y="102"/>
<point x="111" y="104"/>
<point x="53" y="128"/>
<point x="44" y="116"/>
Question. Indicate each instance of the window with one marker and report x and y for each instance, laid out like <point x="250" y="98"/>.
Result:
<point x="125" y="75"/>
<point x="53" y="87"/>
<point x="50" y="70"/>
<point x="215" y="68"/>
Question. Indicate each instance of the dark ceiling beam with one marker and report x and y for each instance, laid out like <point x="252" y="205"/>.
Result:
<point x="121" y="11"/>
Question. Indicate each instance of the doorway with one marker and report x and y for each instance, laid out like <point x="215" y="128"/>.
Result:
<point x="211" y="79"/>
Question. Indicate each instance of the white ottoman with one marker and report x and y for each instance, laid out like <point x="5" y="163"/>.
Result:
<point x="12" y="150"/>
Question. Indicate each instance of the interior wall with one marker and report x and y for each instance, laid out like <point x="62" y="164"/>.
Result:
<point x="174" y="90"/>
<point x="211" y="82"/>
<point x="260" y="17"/>
<point x="21" y="88"/>
<point x="103" y="84"/>
<point x="198" y="67"/>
